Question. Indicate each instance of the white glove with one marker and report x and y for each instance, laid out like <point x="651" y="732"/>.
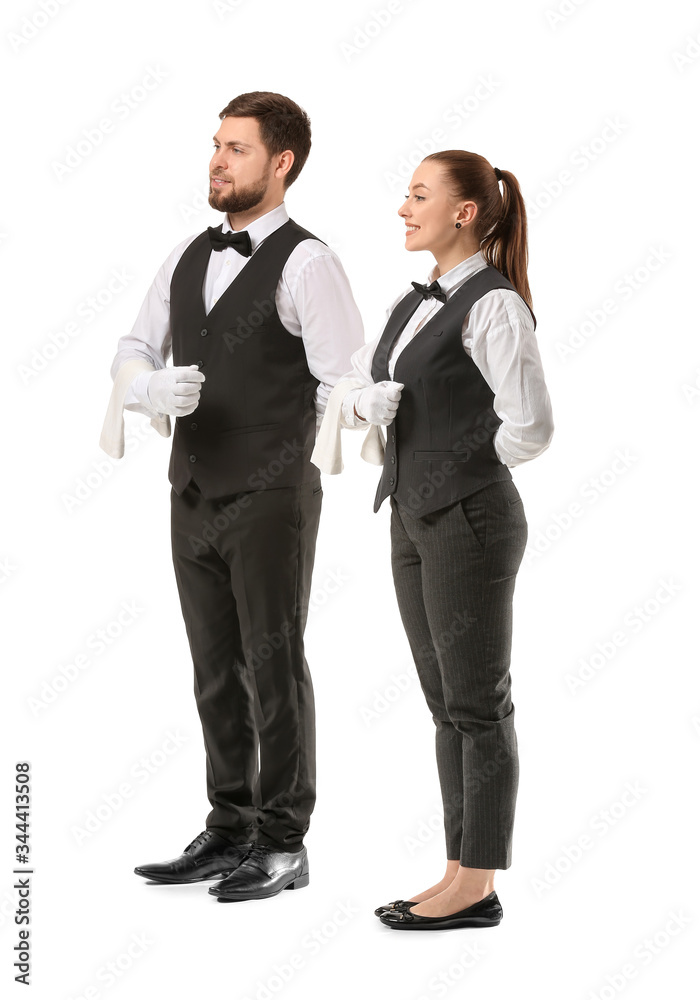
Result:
<point x="175" y="390"/>
<point x="378" y="403"/>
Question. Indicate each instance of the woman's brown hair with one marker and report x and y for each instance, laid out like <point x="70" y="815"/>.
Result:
<point x="501" y="221"/>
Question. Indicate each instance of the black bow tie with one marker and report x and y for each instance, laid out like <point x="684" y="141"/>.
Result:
<point x="433" y="290"/>
<point x="239" y="241"/>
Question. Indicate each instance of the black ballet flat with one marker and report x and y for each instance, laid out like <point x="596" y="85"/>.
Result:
<point x="487" y="912"/>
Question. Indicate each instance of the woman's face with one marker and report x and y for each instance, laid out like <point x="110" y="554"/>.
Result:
<point x="430" y="212"/>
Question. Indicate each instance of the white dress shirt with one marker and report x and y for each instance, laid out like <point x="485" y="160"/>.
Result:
<point x="313" y="299"/>
<point x="498" y="333"/>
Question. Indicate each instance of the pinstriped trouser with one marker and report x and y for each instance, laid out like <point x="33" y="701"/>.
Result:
<point x="454" y="572"/>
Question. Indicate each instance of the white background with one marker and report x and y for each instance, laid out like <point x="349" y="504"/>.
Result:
<point x="82" y="534"/>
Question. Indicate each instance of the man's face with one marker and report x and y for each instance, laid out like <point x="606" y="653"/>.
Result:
<point x="240" y="169"/>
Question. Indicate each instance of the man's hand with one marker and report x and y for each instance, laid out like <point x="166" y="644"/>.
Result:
<point x="378" y="403"/>
<point x="175" y="390"/>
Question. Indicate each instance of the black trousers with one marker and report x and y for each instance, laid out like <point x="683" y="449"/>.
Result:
<point x="454" y="572"/>
<point x="243" y="566"/>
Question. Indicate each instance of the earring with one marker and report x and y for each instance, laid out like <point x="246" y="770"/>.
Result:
<point x="458" y="225"/>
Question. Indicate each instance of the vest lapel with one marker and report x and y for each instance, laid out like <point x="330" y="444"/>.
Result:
<point x="257" y="261"/>
<point x="395" y="324"/>
<point x="470" y="290"/>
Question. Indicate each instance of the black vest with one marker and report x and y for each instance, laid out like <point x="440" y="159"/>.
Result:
<point x="255" y="425"/>
<point x="439" y="447"/>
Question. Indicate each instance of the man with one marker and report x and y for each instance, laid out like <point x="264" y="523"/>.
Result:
<point x="261" y="323"/>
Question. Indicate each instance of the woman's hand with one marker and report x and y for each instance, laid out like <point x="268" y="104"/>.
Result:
<point x="378" y="403"/>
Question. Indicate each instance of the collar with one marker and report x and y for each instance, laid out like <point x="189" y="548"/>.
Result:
<point x="456" y="276"/>
<point x="259" y="229"/>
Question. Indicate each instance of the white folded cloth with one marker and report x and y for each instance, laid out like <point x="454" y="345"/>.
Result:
<point x="112" y="436"/>
<point x="327" y="453"/>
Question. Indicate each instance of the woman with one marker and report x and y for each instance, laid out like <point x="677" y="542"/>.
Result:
<point x="457" y="380"/>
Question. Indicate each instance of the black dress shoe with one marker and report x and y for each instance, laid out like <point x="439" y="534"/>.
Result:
<point x="264" y="872"/>
<point x="398" y="904"/>
<point x="486" y="913"/>
<point x="208" y="856"/>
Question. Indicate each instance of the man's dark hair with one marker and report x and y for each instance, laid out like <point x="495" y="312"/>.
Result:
<point x="282" y="123"/>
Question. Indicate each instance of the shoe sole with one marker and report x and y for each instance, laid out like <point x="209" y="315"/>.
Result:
<point x="297" y="883"/>
<point x="443" y="925"/>
<point x="183" y="881"/>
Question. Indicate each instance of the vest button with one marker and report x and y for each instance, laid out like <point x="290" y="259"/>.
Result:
<point x="391" y="481"/>
<point x="393" y="438"/>
<point x="203" y="333"/>
<point x="193" y="426"/>
<point x="193" y="458"/>
<point x="393" y="459"/>
<point x="199" y="362"/>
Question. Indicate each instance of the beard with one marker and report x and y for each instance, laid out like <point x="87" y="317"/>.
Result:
<point x="238" y="200"/>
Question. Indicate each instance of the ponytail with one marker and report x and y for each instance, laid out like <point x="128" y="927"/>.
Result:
<point x="501" y="221"/>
